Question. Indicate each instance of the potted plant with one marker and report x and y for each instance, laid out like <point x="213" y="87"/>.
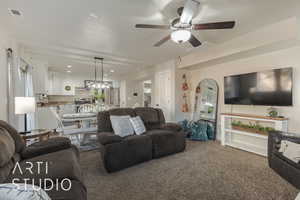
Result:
<point x="253" y="128"/>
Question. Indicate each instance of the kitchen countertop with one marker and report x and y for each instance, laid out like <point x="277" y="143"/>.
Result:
<point x="54" y="103"/>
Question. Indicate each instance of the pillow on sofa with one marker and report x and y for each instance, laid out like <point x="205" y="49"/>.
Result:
<point x="121" y="125"/>
<point x="7" y="146"/>
<point x="290" y="150"/>
<point x="22" y="192"/>
<point x="138" y="125"/>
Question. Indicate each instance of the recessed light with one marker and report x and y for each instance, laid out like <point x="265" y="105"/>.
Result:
<point x="69" y="71"/>
<point x="69" y="66"/>
<point x="112" y="71"/>
<point x="93" y="15"/>
<point x="15" y="12"/>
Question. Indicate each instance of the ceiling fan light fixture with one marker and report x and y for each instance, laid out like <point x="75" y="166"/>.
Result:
<point x="181" y="35"/>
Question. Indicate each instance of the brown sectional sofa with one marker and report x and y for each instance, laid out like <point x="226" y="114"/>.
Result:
<point x="161" y="139"/>
<point x="61" y="157"/>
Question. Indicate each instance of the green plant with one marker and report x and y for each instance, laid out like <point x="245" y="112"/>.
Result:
<point x="253" y="126"/>
<point x="98" y="95"/>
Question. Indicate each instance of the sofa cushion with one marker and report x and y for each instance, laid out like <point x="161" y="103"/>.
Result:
<point x="122" y="125"/>
<point x="5" y="171"/>
<point x="161" y="116"/>
<point x="108" y="138"/>
<point x="132" y="150"/>
<point x="166" y="142"/>
<point x="153" y="118"/>
<point x="19" y="142"/>
<point x="148" y="115"/>
<point x="61" y="164"/>
<point x="8" y="167"/>
<point x="171" y="126"/>
<point x="104" y="124"/>
<point x="7" y="147"/>
<point x="76" y="192"/>
<point x="122" y="112"/>
<point x="44" y="147"/>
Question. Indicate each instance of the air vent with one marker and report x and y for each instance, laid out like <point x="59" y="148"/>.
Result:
<point x="15" y="12"/>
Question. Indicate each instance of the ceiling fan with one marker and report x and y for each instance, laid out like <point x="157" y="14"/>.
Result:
<point x="181" y="27"/>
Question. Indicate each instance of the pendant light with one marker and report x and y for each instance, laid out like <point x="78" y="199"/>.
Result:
<point x="103" y="84"/>
<point x="100" y="84"/>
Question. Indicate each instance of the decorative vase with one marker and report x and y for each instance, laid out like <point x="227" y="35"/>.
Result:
<point x="273" y="112"/>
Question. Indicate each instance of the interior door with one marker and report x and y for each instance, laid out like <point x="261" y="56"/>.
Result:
<point x="164" y="98"/>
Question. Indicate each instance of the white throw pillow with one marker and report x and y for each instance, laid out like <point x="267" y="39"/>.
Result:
<point x="122" y="125"/>
<point x="138" y="125"/>
<point x="290" y="150"/>
<point x="22" y="192"/>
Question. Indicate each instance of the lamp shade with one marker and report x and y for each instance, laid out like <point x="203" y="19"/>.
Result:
<point x="24" y="105"/>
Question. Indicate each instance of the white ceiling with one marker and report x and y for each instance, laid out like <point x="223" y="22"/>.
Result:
<point x="72" y="32"/>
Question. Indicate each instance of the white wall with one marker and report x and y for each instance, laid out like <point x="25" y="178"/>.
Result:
<point x="123" y="94"/>
<point x="3" y="78"/>
<point x="40" y="76"/>
<point x="280" y="59"/>
<point x="5" y="43"/>
<point x="134" y="86"/>
<point x="135" y="83"/>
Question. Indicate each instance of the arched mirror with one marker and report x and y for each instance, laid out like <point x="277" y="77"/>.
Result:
<point x="206" y="103"/>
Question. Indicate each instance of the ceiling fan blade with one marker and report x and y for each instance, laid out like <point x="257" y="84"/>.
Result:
<point x="194" y="41"/>
<point x="216" y="25"/>
<point x="159" y="43"/>
<point x="190" y="9"/>
<point x="152" y="26"/>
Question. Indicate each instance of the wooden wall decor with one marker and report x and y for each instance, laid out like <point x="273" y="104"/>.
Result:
<point x="185" y="88"/>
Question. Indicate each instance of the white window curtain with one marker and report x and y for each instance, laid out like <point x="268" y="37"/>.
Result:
<point x="10" y="93"/>
<point x="29" y="92"/>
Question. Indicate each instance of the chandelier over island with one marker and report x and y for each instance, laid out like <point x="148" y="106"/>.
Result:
<point x="101" y="84"/>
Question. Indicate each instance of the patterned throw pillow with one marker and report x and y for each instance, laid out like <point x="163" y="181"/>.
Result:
<point x="22" y="192"/>
<point x="138" y="125"/>
<point x="121" y="125"/>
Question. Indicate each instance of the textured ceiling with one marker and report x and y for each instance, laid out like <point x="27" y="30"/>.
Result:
<point x="72" y="32"/>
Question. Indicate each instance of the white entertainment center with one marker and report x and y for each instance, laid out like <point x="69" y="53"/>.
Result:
<point x="249" y="141"/>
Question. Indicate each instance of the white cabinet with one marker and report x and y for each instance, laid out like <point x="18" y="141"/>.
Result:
<point x="249" y="141"/>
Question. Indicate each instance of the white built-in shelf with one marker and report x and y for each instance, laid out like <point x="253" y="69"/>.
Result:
<point x="247" y="133"/>
<point x="248" y="141"/>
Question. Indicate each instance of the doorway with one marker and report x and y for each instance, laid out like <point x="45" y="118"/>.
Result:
<point x="164" y="93"/>
<point x="147" y="92"/>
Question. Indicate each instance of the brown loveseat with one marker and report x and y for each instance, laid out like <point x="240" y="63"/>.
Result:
<point x="52" y="164"/>
<point x="160" y="139"/>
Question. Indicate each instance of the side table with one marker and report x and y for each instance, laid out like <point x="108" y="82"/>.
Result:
<point x="40" y="134"/>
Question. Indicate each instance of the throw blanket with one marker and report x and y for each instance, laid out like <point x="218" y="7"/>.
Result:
<point x="198" y="130"/>
<point x="22" y="192"/>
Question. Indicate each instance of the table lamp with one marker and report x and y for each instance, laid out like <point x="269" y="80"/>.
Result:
<point x="24" y="106"/>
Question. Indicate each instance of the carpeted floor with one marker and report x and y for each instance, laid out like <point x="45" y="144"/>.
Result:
<point x="205" y="171"/>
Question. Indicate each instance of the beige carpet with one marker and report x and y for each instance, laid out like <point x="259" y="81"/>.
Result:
<point x="205" y="171"/>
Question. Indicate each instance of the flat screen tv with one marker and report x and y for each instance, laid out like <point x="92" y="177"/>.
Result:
<point x="269" y="88"/>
